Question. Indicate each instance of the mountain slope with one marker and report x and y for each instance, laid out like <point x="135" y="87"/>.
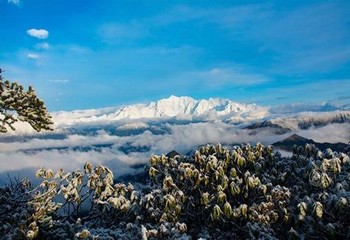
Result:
<point x="296" y="140"/>
<point x="305" y="120"/>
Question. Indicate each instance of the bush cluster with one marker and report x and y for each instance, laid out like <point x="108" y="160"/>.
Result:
<point x="215" y="193"/>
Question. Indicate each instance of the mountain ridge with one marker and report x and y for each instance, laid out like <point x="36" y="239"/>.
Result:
<point x="187" y="109"/>
<point x="288" y="143"/>
<point x="173" y="107"/>
<point x="302" y="121"/>
<point x="180" y="106"/>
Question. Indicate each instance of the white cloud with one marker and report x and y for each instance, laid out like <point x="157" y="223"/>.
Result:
<point x="38" y="33"/>
<point x="332" y="133"/>
<point x="43" y="45"/>
<point x="233" y="75"/>
<point x="229" y="17"/>
<point x="33" y="56"/>
<point x="26" y="164"/>
<point x="215" y="78"/>
<point x="16" y="2"/>
<point x="59" y="80"/>
<point x="321" y="45"/>
<point x="115" y="32"/>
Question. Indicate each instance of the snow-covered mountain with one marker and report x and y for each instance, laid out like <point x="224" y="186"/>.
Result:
<point x="186" y="109"/>
<point x="303" y="120"/>
<point x="181" y="108"/>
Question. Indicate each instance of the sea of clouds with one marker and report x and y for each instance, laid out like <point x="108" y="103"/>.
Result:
<point x="22" y="155"/>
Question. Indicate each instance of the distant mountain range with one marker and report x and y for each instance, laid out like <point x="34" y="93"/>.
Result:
<point x="183" y="110"/>
<point x="296" y="140"/>
<point x="181" y="107"/>
<point x="187" y="108"/>
<point x="301" y="121"/>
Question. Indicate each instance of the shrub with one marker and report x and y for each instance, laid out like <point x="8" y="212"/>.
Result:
<point x="216" y="193"/>
<point x="16" y="104"/>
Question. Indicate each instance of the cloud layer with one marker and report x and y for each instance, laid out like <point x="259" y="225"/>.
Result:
<point x="134" y="143"/>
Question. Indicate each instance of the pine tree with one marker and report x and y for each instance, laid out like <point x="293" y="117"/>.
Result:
<point x="16" y="104"/>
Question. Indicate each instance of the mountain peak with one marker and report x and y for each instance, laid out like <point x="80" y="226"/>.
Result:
<point x="296" y="137"/>
<point x="296" y="140"/>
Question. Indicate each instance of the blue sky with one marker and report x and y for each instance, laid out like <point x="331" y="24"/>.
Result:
<point x="81" y="54"/>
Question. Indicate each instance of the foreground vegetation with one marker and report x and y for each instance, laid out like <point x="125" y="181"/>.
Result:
<point x="216" y="193"/>
<point x="18" y="104"/>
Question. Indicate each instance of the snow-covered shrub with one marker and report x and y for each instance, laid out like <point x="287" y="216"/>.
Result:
<point x="216" y="193"/>
<point x="15" y="211"/>
<point x="220" y="188"/>
<point x="16" y="104"/>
